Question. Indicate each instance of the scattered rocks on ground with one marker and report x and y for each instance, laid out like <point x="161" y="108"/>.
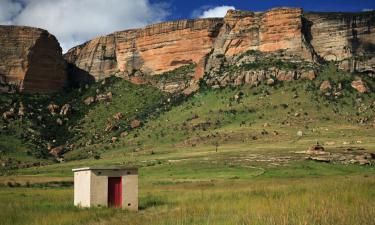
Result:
<point x="104" y="97"/>
<point x="124" y="134"/>
<point x="53" y="108"/>
<point x="65" y="110"/>
<point x="135" y="123"/>
<point x="348" y="156"/>
<point x="56" y="151"/>
<point x="270" y="82"/>
<point x="110" y="127"/>
<point x="325" y="86"/>
<point x="319" y="159"/>
<point x="360" y="86"/>
<point x="89" y="100"/>
<point x="59" y="121"/>
<point x="8" y="115"/>
<point x="114" y="139"/>
<point x="21" y="110"/>
<point x="118" y="116"/>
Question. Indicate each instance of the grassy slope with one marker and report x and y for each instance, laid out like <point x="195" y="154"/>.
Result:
<point x="85" y="124"/>
<point x="253" y="178"/>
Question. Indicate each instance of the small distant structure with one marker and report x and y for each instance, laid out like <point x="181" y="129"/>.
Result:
<point x="106" y="186"/>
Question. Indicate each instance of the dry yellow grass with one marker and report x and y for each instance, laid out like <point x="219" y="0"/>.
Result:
<point x="343" y="200"/>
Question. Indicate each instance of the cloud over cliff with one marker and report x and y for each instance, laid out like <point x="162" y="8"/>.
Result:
<point x="76" y="21"/>
<point x="218" y="11"/>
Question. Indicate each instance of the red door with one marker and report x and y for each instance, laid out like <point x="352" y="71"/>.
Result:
<point x="114" y="192"/>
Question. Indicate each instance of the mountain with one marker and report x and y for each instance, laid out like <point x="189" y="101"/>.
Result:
<point x="31" y="60"/>
<point x="346" y="38"/>
<point x="185" y="83"/>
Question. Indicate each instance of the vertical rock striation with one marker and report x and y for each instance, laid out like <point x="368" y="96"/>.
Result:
<point x="153" y="50"/>
<point x="346" y="38"/>
<point x="31" y="59"/>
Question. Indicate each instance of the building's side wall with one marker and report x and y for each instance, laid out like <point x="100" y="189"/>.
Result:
<point x="99" y="189"/>
<point x="130" y="192"/>
<point x="82" y="188"/>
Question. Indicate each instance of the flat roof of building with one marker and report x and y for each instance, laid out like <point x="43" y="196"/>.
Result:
<point x="104" y="168"/>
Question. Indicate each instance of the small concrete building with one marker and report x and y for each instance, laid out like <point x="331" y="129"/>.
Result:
<point x="106" y="186"/>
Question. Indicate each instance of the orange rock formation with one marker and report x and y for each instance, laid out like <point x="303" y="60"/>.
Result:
<point x="31" y="59"/>
<point x="165" y="46"/>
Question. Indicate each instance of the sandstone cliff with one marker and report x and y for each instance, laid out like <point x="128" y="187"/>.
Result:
<point x="31" y="59"/>
<point x="346" y="38"/>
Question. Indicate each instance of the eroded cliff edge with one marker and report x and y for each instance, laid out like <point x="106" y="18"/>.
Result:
<point x="345" y="37"/>
<point x="31" y="60"/>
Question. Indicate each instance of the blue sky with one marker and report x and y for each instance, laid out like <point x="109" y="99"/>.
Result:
<point x="184" y="8"/>
<point x="75" y="21"/>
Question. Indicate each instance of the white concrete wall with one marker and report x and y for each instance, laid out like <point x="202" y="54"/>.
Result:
<point x="130" y="192"/>
<point x="82" y="188"/>
<point x="99" y="189"/>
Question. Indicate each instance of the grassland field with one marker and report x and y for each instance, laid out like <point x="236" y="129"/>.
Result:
<point x="215" y="160"/>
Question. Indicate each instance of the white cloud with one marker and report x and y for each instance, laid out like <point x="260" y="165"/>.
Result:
<point x="76" y="21"/>
<point x="367" y="10"/>
<point x="219" y="11"/>
<point x="8" y="9"/>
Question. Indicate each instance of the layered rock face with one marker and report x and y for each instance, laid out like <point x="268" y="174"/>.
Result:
<point x="348" y="38"/>
<point x="153" y="50"/>
<point x="209" y="43"/>
<point x="31" y="59"/>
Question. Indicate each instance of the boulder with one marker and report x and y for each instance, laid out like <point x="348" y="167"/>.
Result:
<point x="320" y="159"/>
<point x="135" y="123"/>
<point x="110" y="127"/>
<point x="360" y="86"/>
<point x="104" y="97"/>
<point x="270" y="82"/>
<point x="53" y="108"/>
<point x="317" y="147"/>
<point x="114" y="139"/>
<point x="65" y="110"/>
<point x="124" y="134"/>
<point x="56" y="151"/>
<point x="59" y="121"/>
<point x="8" y="115"/>
<point x="21" y="110"/>
<point x="89" y="100"/>
<point x="325" y="86"/>
<point x="310" y="75"/>
<point x="118" y="116"/>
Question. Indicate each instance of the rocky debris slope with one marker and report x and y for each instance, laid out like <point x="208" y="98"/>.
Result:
<point x="254" y="67"/>
<point x="345" y="156"/>
<point x="346" y="38"/>
<point x="31" y="60"/>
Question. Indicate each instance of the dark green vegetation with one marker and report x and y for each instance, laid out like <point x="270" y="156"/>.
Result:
<point x="221" y="156"/>
<point x="83" y="124"/>
<point x="266" y="61"/>
<point x="182" y="73"/>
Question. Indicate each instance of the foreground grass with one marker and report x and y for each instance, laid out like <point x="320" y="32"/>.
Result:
<point x="329" y="200"/>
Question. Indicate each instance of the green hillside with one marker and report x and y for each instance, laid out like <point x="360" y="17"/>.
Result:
<point x="198" y="154"/>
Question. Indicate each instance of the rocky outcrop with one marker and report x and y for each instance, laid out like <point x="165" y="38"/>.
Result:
<point x="152" y="50"/>
<point x="31" y="59"/>
<point x="347" y="38"/>
<point x="209" y="44"/>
